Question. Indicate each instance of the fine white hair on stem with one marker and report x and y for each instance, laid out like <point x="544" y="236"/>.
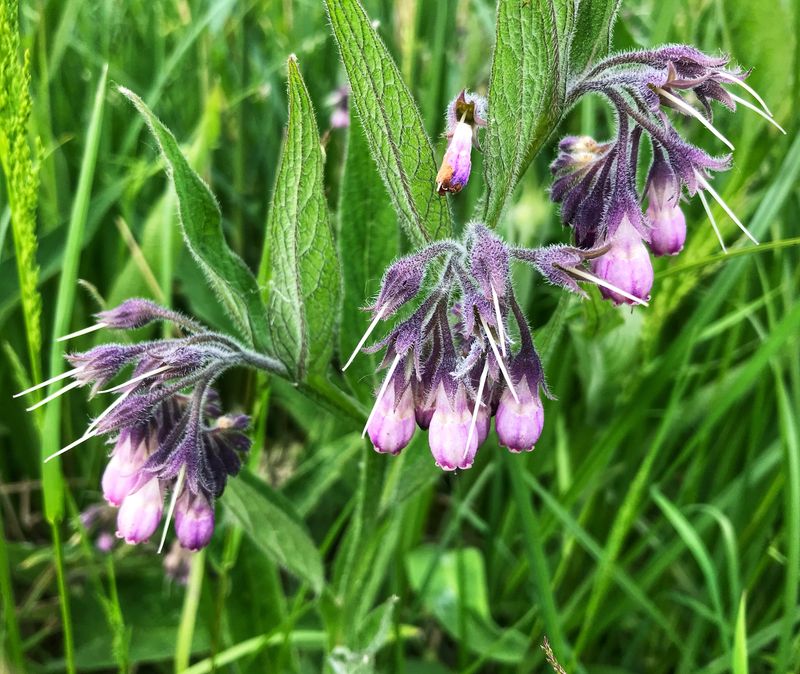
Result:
<point x="151" y="373"/>
<point x="83" y="331"/>
<point x="746" y="87"/>
<point x="500" y="362"/>
<point x="499" y="318"/>
<point x="710" y="215"/>
<point x="707" y="187"/>
<point x="55" y="394"/>
<point x="381" y="393"/>
<point x="361" y="342"/>
<point x="47" y="382"/>
<point x="176" y="490"/>
<point x="74" y="443"/>
<point x="478" y="403"/>
<point x="758" y="111"/>
<point x="605" y="284"/>
<point x="688" y="109"/>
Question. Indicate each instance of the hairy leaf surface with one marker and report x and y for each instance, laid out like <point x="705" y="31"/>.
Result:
<point x="392" y="123"/>
<point x="594" y="24"/>
<point x="200" y="219"/>
<point x="299" y="270"/>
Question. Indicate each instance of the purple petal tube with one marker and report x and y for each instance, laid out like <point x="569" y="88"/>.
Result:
<point x="140" y="513"/>
<point x="122" y="472"/>
<point x="456" y="164"/>
<point x="669" y="229"/>
<point x="194" y="520"/>
<point x="519" y="424"/>
<point x="626" y="265"/>
<point x="392" y="425"/>
<point x="449" y="429"/>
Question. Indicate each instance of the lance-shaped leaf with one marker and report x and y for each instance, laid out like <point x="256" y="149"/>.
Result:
<point x="201" y="224"/>
<point x="526" y="90"/>
<point x="272" y="524"/>
<point x="368" y="242"/>
<point x="591" y="40"/>
<point x="299" y="269"/>
<point x="392" y="124"/>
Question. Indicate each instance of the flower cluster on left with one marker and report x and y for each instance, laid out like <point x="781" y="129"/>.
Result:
<point x="167" y="428"/>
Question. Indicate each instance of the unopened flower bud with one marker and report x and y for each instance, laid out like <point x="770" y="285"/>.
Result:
<point x="449" y="430"/>
<point x="132" y="313"/>
<point x="122" y="472"/>
<point x="194" y="520"/>
<point x="519" y="423"/>
<point x="456" y="164"/>
<point x="140" y="513"/>
<point x="626" y="265"/>
<point x="392" y="423"/>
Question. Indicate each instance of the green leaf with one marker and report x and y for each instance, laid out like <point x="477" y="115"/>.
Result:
<point x="526" y="91"/>
<point x="739" y="664"/>
<point x="392" y="123"/>
<point x="591" y="39"/>
<point x="299" y="269"/>
<point x="462" y="608"/>
<point x="201" y="225"/>
<point x="273" y="525"/>
<point x="368" y="242"/>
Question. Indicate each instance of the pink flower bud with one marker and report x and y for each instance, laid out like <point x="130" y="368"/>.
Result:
<point x="194" y="520"/>
<point x="456" y="164"/>
<point x="669" y="229"/>
<point x="449" y="430"/>
<point x="122" y="472"/>
<point x="519" y="424"/>
<point x="392" y="425"/>
<point x="140" y="513"/>
<point x="626" y="265"/>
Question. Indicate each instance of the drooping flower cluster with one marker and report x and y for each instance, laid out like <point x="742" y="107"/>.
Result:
<point x="167" y="427"/>
<point x="452" y="365"/>
<point x="596" y="182"/>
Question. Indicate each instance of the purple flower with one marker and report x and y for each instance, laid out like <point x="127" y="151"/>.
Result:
<point x="466" y="112"/>
<point x="391" y="425"/>
<point x="519" y="423"/>
<point x="450" y="429"/>
<point x="668" y="223"/>
<point x="140" y="513"/>
<point x="121" y="475"/>
<point x="626" y="266"/>
<point x="194" y="520"/>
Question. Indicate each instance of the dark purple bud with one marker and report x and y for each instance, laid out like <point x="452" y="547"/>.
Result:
<point x="626" y="265"/>
<point x="392" y="423"/>
<point x="489" y="262"/>
<point x="140" y="513"/>
<point x="103" y="363"/>
<point x="131" y="314"/>
<point x="194" y="520"/>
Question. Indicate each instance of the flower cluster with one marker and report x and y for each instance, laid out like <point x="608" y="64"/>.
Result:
<point x="452" y="364"/>
<point x="166" y="425"/>
<point x="596" y="182"/>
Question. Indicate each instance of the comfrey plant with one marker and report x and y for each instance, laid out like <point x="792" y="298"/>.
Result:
<point x="452" y="364"/>
<point x="460" y="351"/>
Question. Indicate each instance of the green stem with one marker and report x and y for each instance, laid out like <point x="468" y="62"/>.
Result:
<point x="191" y="602"/>
<point x="13" y="640"/>
<point x="66" y="616"/>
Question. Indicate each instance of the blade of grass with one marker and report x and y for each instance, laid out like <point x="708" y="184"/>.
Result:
<point x="191" y="602"/>
<point x="52" y="480"/>
<point x="739" y="664"/>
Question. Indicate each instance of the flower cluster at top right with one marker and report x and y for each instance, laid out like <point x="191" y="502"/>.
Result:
<point x="595" y="182"/>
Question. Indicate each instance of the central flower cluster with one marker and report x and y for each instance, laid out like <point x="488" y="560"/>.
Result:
<point x="453" y="364"/>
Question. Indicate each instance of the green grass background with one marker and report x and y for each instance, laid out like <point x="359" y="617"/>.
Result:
<point x="656" y="528"/>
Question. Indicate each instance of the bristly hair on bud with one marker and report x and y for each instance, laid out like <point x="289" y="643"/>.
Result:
<point x="168" y="430"/>
<point x="465" y="113"/>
